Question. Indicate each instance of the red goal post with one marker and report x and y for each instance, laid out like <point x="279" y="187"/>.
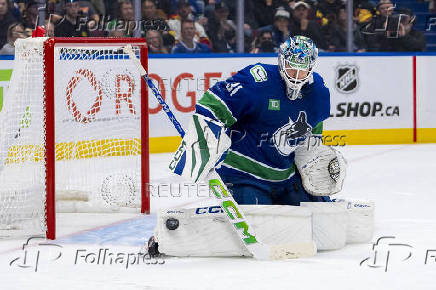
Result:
<point x="49" y="46"/>
<point x="82" y="69"/>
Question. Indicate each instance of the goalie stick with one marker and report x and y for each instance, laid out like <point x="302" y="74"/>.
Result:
<point x="233" y="212"/>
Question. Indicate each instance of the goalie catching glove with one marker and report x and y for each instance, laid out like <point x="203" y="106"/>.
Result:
<point x="201" y="148"/>
<point x="322" y="169"/>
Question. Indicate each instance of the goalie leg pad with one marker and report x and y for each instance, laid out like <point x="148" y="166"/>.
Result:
<point x="205" y="231"/>
<point x="329" y="224"/>
<point x="341" y="222"/>
<point x="360" y="228"/>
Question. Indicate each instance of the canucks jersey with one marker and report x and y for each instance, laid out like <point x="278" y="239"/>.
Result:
<point x="263" y="123"/>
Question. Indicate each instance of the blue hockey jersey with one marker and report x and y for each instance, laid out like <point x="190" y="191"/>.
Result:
<point x="263" y="123"/>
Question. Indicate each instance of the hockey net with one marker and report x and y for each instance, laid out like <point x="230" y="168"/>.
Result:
<point x="71" y="129"/>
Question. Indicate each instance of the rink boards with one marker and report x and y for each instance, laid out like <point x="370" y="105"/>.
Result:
<point x="375" y="99"/>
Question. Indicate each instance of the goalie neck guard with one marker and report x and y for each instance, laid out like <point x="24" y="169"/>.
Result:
<point x="297" y="57"/>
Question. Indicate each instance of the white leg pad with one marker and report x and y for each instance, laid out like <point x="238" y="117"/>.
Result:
<point x="360" y="227"/>
<point x="329" y="224"/>
<point x="206" y="232"/>
<point x="341" y="222"/>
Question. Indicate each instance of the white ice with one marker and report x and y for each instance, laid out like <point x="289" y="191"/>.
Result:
<point x="399" y="178"/>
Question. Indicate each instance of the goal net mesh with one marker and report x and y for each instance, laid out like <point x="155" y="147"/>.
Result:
<point x="97" y="92"/>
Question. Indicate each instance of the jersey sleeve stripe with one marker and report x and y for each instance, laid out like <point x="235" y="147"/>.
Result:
<point x="205" y="111"/>
<point x="257" y="169"/>
<point x="318" y="129"/>
<point x="218" y="107"/>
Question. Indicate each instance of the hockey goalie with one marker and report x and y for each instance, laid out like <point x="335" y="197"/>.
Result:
<point x="261" y="132"/>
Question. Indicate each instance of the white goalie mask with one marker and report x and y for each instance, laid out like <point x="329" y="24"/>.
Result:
<point x="297" y="57"/>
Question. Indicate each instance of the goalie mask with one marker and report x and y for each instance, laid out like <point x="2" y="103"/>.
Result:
<point x="297" y="57"/>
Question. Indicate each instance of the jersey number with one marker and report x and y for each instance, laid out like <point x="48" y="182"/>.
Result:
<point x="233" y="88"/>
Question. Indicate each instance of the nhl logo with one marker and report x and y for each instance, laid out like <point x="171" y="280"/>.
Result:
<point x="347" y="79"/>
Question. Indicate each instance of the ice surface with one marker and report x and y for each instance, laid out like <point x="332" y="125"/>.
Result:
<point x="400" y="179"/>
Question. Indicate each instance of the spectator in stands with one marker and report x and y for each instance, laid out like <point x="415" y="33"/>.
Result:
<point x="15" y="31"/>
<point x="68" y="26"/>
<point x="6" y="19"/>
<point x="197" y="7"/>
<point x="385" y="8"/>
<point x="163" y="8"/>
<point x="125" y="23"/>
<point x="264" y="43"/>
<point x="14" y="8"/>
<point x="111" y="7"/>
<point x="86" y="9"/>
<point x="149" y="10"/>
<point x="280" y="28"/>
<point x="187" y="43"/>
<point x="152" y="20"/>
<point x="327" y="10"/>
<point x="30" y="16"/>
<point x="363" y="11"/>
<point x="335" y="33"/>
<point x="221" y="30"/>
<point x="301" y="25"/>
<point x="150" y="17"/>
<point x="407" y="39"/>
<point x="375" y="31"/>
<point x="116" y="33"/>
<point x="328" y="7"/>
<point x="185" y="13"/>
<point x="265" y="10"/>
<point x="155" y="42"/>
<point x="99" y="7"/>
<point x="168" y="41"/>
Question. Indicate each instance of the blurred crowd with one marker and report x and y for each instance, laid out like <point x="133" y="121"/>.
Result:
<point x="203" y="26"/>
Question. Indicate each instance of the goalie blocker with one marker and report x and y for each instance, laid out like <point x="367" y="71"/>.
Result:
<point x="204" y="231"/>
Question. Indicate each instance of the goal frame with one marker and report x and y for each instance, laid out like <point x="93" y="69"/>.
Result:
<point x="49" y="98"/>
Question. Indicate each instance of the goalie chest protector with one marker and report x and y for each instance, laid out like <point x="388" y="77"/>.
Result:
<point x="263" y="123"/>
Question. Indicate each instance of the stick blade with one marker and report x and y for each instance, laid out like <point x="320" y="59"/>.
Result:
<point x="292" y="251"/>
<point x="260" y="251"/>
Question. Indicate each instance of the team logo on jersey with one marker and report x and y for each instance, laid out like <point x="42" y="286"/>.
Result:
<point x="287" y="137"/>
<point x="347" y="80"/>
<point x="259" y="74"/>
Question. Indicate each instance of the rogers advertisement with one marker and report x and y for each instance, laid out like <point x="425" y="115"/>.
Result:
<point x="366" y="92"/>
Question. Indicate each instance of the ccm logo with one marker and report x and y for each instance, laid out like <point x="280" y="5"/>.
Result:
<point x="211" y="209"/>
